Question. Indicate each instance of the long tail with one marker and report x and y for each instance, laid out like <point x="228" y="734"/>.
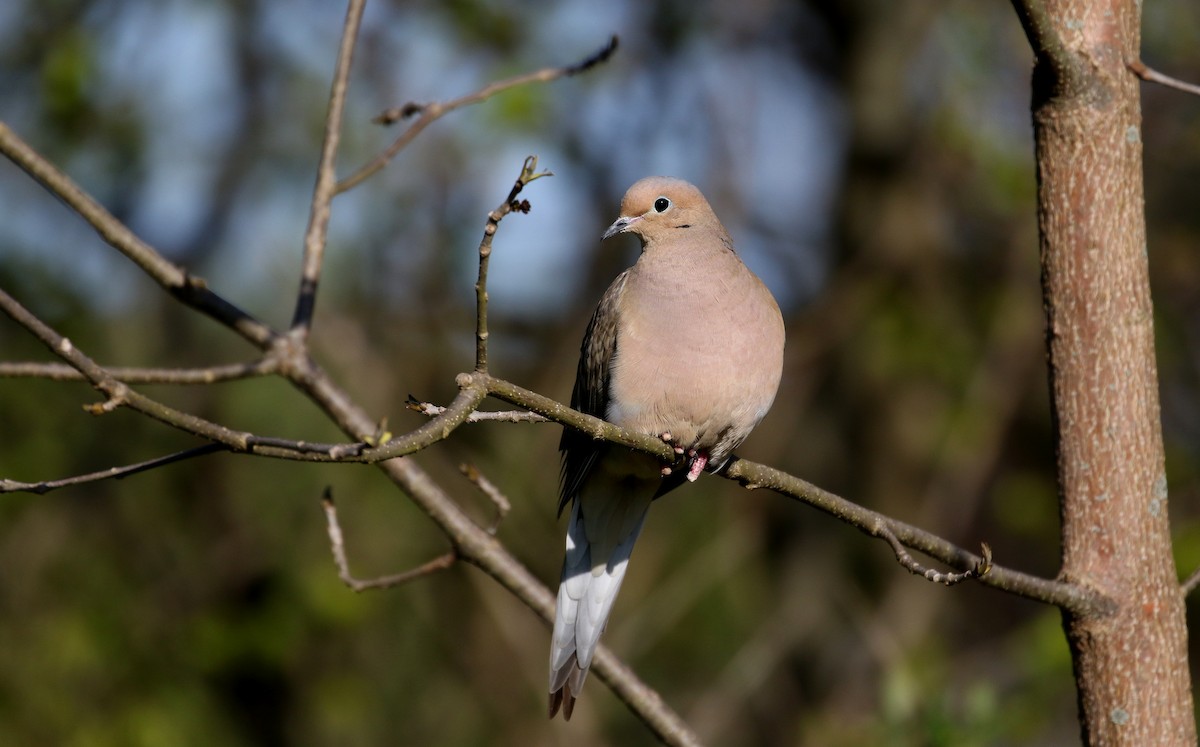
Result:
<point x="604" y="525"/>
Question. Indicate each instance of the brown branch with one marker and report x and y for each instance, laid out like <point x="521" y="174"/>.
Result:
<point x="338" y="547"/>
<point x="529" y="172"/>
<point x="187" y="288"/>
<point x="1141" y="70"/>
<point x="114" y="473"/>
<point x="430" y="113"/>
<point x="326" y="186"/>
<point x="1067" y="596"/>
<point x="210" y="375"/>
<point x="595" y="427"/>
<point x="1064" y="595"/>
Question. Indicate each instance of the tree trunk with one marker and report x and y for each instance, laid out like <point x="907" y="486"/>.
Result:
<point x="1131" y="665"/>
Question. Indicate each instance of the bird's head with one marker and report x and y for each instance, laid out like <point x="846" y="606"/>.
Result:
<point x="660" y="207"/>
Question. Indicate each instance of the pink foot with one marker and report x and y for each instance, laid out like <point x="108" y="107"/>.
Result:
<point x="699" y="462"/>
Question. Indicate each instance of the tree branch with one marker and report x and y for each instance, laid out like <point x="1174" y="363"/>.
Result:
<point x="210" y="375"/>
<point x="338" y="546"/>
<point x="430" y="113"/>
<point x="326" y="186"/>
<point x="529" y="172"/>
<point x="120" y="394"/>
<point x="1065" y="595"/>
<point x="479" y="416"/>
<point x="189" y="289"/>
<point x="114" y="473"/>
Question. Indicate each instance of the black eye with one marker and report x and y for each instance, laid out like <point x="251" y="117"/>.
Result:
<point x="661" y="205"/>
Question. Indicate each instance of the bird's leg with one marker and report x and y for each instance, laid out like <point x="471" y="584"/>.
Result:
<point x="697" y="461"/>
<point x="670" y="441"/>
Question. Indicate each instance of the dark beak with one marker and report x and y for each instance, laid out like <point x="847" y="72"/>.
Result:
<point x="621" y="225"/>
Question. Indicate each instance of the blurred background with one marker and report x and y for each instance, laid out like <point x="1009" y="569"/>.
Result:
<point x="873" y="161"/>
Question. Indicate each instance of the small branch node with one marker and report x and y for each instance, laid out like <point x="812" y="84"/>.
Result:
<point x="117" y="397"/>
<point x="381" y="435"/>
<point x="399" y="113"/>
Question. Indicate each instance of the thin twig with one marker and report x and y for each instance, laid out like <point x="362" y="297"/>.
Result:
<point x="115" y="473"/>
<point x="338" y="546"/>
<point x="430" y="113"/>
<point x="1189" y="585"/>
<point x="529" y="172"/>
<point x="210" y="375"/>
<point x="981" y="569"/>
<point x="489" y="489"/>
<point x="326" y="187"/>
<point x="479" y="416"/>
<point x="1141" y="70"/>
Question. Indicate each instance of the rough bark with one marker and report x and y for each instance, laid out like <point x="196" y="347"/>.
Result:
<point x="1131" y="663"/>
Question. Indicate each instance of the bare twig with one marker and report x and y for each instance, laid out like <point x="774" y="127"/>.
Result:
<point x="338" y="546"/>
<point x="1141" y="70"/>
<point x="326" y="186"/>
<point x="430" y="113"/>
<point x="479" y="416"/>
<point x="529" y="172"/>
<point x="981" y="569"/>
<point x="115" y="473"/>
<point x="189" y="289"/>
<point x="489" y="489"/>
<point x="210" y="375"/>
<point x="1190" y="584"/>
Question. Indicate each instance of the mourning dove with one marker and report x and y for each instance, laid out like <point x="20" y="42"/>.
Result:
<point x="686" y="345"/>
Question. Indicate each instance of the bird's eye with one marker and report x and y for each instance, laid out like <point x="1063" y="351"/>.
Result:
<point x="661" y="205"/>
